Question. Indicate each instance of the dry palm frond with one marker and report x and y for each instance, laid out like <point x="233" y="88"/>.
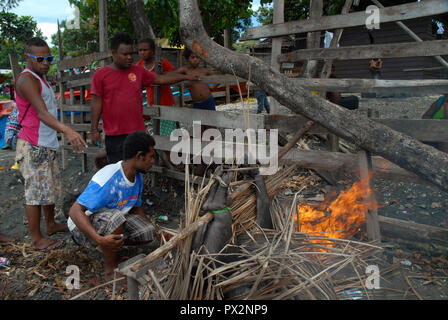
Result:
<point x="260" y="263"/>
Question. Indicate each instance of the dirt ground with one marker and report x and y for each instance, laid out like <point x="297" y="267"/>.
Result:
<point x="409" y="272"/>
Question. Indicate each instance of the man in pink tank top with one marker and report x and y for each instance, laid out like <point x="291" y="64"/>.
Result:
<point x="37" y="143"/>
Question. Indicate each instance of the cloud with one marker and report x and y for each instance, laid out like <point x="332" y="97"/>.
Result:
<point x="48" y="29"/>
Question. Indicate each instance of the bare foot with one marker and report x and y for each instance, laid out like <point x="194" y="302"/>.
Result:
<point x="56" y="228"/>
<point x="6" y="239"/>
<point x="46" y="244"/>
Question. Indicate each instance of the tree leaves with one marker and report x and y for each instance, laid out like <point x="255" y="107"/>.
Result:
<point x="9" y="4"/>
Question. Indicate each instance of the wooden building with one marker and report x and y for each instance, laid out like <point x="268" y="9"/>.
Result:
<point x="411" y="68"/>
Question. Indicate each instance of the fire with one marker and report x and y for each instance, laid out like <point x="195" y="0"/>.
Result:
<point x="342" y="217"/>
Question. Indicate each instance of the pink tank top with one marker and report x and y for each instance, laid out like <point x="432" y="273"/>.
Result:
<point x="33" y="130"/>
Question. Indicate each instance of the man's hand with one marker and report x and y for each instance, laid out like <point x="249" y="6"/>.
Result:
<point x="96" y="138"/>
<point x="75" y="139"/>
<point x="111" y="241"/>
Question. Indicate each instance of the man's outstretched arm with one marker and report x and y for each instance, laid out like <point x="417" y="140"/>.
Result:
<point x="173" y="77"/>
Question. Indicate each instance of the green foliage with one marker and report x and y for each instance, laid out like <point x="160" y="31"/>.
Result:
<point x="14" y="32"/>
<point x="9" y="4"/>
<point x="295" y="10"/>
<point x="163" y="16"/>
<point x="77" y="42"/>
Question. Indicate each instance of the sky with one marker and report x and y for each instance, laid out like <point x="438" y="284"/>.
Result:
<point x="47" y="12"/>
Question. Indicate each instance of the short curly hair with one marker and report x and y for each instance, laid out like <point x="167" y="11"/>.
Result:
<point x="120" y="38"/>
<point x="35" y="42"/>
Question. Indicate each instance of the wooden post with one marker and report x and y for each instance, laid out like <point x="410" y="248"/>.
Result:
<point x="102" y="6"/>
<point x="227" y="44"/>
<point x="14" y="62"/>
<point x="181" y="86"/>
<point x="313" y="38"/>
<point x="61" y="99"/>
<point x="156" y="122"/>
<point x="279" y="17"/>
<point x="132" y="289"/>
<point x="372" y="220"/>
<point x="326" y="71"/>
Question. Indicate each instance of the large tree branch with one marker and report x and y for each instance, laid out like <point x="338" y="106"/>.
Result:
<point x="408" y="153"/>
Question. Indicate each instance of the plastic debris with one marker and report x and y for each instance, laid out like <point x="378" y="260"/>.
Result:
<point x="406" y="263"/>
<point x="163" y="218"/>
<point x="149" y="202"/>
<point x="4" y="262"/>
<point x="351" y="295"/>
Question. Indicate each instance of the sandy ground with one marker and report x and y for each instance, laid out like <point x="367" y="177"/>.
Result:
<point x="37" y="275"/>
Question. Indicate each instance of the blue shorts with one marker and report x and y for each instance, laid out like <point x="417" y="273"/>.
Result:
<point x="208" y="104"/>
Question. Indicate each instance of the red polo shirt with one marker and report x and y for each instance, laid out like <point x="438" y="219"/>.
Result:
<point x="121" y="91"/>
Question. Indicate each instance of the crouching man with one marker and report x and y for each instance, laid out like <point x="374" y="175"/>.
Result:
<point x="108" y="213"/>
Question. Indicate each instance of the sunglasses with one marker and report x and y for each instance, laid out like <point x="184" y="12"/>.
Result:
<point x="41" y="59"/>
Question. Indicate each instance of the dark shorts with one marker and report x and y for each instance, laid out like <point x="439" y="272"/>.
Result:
<point x="208" y="104"/>
<point x="114" y="147"/>
<point x="135" y="228"/>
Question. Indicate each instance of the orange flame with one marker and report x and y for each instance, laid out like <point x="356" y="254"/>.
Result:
<point x="342" y="217"/>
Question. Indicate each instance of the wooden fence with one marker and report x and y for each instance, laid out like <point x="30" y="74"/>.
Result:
<point x="424" y="130"/>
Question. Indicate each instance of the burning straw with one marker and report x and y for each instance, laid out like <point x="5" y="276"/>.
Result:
<point x="260" y="263"/>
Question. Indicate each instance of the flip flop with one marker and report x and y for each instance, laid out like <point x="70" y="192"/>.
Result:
<point x="52" y="246"/>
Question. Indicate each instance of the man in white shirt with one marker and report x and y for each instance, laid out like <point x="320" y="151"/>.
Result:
<point x="108" y="213"/>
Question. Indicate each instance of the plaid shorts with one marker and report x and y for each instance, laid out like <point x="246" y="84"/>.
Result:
<point x="38" y="166"/>
<point x="135" y="228"/>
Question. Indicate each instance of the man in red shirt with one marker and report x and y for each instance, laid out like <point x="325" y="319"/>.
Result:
<point x="117" y="96"/>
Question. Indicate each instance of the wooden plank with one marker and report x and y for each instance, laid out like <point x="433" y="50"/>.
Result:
<point x="79" y="83"/>
<point x="388" y="50"/>
<point x="417" y="234"/>
<point x="220" y="119"/>
<point x="389" y="14"/>
<point x="442" y="61"/>
<point x="421" y="129"/>
<point x="83" y="60"/>
<point x="76" y="108"/>
<point x="424" y="130"/>
<point x="373" y="85"/>
<point x="343" y="162"/>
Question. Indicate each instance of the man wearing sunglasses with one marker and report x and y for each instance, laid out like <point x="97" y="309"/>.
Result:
<point x="37" y="143"/>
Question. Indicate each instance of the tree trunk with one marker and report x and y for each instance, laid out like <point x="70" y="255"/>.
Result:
<point x="140" y="20"/>
<point x="408" y="153"/>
